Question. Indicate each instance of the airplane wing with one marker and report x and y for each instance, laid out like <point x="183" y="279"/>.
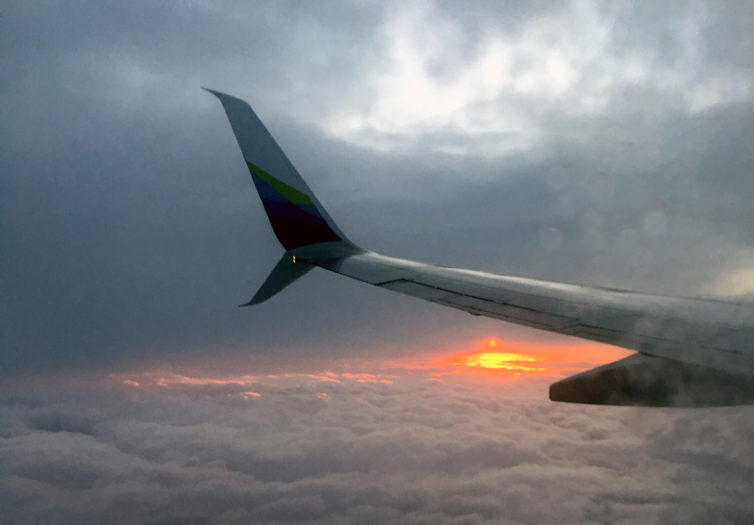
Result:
<point x="690" y="352"/>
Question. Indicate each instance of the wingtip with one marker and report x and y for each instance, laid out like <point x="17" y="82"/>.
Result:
<point x="250" y="303"/>
<point x="258" y="298"/>
<point x="218" y="94"/>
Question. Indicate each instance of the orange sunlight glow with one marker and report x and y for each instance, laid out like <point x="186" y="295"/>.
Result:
<point x="250" y="395"/>
<point x="484" y="360"/>
<point x="501" y="360"/>
<point x="493" y="359"/>
<point x="516" y="359"/>
<point x="368" y="378"/>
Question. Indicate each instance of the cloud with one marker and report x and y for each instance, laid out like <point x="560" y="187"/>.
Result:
<point x="499" y="76"/>
<point x="407" y="452"/>
<point x="738" y="281"/>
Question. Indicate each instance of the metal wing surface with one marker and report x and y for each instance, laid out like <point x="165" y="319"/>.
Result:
<point x="691" y="341"/>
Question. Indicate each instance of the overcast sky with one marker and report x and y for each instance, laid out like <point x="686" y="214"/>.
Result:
<point x="599" y="143"/>
<point x="604" y="143"/>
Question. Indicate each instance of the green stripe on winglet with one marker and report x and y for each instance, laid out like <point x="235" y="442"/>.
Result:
<point x="290" y="193"/>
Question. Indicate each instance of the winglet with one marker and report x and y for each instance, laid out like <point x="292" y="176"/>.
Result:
<point x="284" y="273"/>
<point x="297" y="217"/>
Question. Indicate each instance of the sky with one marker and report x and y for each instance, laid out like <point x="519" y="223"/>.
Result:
<point x="598" y="143"/>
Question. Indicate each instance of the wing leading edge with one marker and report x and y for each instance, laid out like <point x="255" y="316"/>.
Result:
<point x="692" y="352"/>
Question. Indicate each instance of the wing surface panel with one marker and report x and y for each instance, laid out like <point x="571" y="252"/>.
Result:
<point x="689" y="330"/>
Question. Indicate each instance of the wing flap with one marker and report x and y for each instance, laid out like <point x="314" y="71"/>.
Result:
<point x="642" y="380"/>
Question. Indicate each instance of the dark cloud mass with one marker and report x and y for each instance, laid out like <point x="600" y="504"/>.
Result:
<point x="307" y="451"/>
<point x="589" y="142"/>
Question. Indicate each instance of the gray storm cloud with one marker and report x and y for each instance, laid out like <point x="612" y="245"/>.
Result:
<point x="606" y="144"/>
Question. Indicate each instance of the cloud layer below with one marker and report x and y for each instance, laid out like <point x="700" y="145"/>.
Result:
<point x="356" y="449"/>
